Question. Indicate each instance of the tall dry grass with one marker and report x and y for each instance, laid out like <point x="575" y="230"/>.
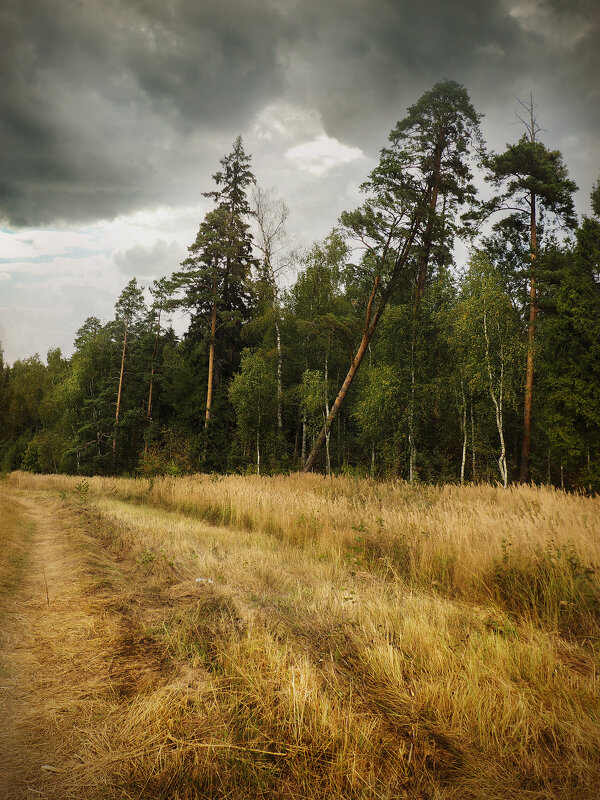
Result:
<point x="15" y="535"/>
<point x="467" y="541"/>
<point x="356" y="639"/>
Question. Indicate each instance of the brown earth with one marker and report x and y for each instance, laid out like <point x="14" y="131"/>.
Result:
<point x="71" y="652"/>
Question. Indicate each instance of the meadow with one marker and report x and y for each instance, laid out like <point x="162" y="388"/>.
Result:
<point x="304" y="637"/>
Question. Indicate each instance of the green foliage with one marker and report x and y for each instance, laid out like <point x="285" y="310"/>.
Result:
<point x="168" y="454"/>
<point x="82" y="490"/>
<point x="485" y="307"/>
<point x="529" y="168"/>
<point x="440" y="387"/>
<point x="253" y="393"/>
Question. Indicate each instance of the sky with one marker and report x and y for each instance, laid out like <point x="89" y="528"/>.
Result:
<point x="114" y="115"/>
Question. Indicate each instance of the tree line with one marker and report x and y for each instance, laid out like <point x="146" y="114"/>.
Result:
<point x="383" y="356"/>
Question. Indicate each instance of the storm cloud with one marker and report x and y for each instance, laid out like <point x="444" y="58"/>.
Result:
<point x="111" y="107"/>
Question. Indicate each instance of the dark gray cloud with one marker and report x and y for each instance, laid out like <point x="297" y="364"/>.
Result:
<point x="107" y="107"/>
<point x="99" y="101"/>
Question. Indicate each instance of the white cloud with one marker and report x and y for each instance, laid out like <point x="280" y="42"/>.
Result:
<point x="322" y="154"/>
<point x="562" y="27"/>
<point x="52" y="280"/>
<point x="287" y="123"/>
<point x="154" y="261"/>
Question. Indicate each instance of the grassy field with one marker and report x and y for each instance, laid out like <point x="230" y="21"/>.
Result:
<point x="305" y="637"/>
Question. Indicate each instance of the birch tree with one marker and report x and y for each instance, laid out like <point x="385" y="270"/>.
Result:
<point x="252" y="393"/>
<point x="270" y="214"/>
<point x="487" y="330"/>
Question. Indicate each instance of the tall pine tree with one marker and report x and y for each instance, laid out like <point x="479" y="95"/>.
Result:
<point x="532" y="180"/>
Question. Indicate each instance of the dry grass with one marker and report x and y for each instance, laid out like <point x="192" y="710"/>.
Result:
<point x="357" y="639"/>
<point x="15" y="535"/>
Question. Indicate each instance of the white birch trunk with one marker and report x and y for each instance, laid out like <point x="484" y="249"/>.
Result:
<point x="303" y="456"/>
<point x="463" y="426"/>
<point x="279" y="374"/>
<point x="328" y="434"/>
<point x="497" y="400"/>
<point x="258" y="448"/>
<point x="472" y="442"/>
<point x="411" y="418"/>
<point x="562" y="475"/>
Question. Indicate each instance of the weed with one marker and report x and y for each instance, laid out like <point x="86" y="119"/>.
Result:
<point x="82" y="490"/>
<point x="146" y="557"/>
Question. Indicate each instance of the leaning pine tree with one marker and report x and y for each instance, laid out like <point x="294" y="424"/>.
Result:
<point x="415" y="193"/>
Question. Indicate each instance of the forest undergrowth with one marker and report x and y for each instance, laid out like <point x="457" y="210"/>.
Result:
<point x="312" y="637"/>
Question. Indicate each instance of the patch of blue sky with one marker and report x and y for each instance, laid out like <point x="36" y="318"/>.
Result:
<point x="71" y="251"/>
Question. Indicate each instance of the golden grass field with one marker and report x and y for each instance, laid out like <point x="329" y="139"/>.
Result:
<point x="351" y="639"/>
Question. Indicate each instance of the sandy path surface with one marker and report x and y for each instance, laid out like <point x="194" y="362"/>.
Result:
<point x="53" y="650"/>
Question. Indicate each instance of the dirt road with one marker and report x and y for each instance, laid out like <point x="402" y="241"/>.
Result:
<point x="53" y="664"/>
<point x="68" y="655"/>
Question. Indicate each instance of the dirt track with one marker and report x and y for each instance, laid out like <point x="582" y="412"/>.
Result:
<point x="57" y="648"/>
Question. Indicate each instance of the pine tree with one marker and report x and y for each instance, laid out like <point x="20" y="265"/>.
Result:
<point x="129" y="309"/>
<point x="569" y="361"/>
<point x="534" y="179"/>
<point x="402" y="222"/>
<point x="438" y="141"/>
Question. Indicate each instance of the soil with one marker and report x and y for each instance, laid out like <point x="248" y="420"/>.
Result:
<point x="63" y="654"/>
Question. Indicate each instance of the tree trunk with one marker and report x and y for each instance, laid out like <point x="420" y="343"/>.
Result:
<point x="428" y="233"/>
<point x="211" y="362"/>
<point x="114" y="443"/>
<point x="369" y="330"/>
<point x="562" y="475"/>
<point x="419" y="291"/>
<point x="463" y="426"/>
<point x="533" y="312"/>
<point x="412" y="451"/>
<point x="303" y="450"/>
<point x="328" y="434"/>
<point x="258" y="448"/>
<point x="149" y="410"/>
<point x="279" y="378"/>
<point x="497" y="401"/>
<point x="339" y="399"/>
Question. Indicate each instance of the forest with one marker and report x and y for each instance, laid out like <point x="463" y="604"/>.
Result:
<point x="377" y="351"/>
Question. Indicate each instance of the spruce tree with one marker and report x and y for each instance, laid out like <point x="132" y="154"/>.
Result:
<point x="214" y="281"/>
